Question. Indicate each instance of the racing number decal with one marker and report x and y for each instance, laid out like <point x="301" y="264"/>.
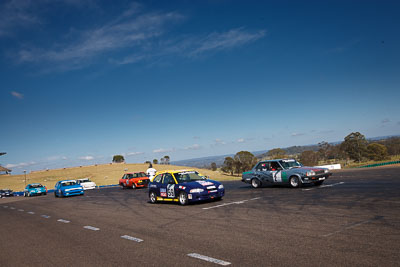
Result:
<point x="171" y="190"/>
<point x="277" y="176"/>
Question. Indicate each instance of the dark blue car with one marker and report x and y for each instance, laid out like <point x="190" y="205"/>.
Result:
<point x="184" y="187"/>
<point x="68" y="188"/>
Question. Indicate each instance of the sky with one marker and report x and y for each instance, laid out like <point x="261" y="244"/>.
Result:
<point x="83" y="80"/>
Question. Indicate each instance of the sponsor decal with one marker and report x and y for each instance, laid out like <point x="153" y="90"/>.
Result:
<point x="163" y="192"/>
<point x="211" y="187"/>
<point x="205" y="183"/>
<point x="189" y="196"/>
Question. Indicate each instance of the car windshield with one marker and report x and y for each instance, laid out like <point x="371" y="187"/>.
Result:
<point x="68" y="183"/>
<point x="184" y="177"/>
<point x="84" y="180"/>
<point x="290" y="163"/>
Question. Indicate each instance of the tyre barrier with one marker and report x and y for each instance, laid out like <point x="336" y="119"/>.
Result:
<point x="379" y="164"/>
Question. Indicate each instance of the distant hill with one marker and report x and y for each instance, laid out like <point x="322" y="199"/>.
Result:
<point x="205" y="162"/>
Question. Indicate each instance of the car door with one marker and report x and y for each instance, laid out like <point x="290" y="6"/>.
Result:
<point x="276" y="172"/>
<point x="156" y="185"/>
<point x="167" y="188"/>
<point x="263" y="172"/>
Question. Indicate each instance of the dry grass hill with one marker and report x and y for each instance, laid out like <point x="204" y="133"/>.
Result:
<point x="105" y="174"/>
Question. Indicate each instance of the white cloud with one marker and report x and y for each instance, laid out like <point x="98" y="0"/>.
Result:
<point x="161" y="150"/>
<point x="219" y="142"/>
<point x="55" y="158"/>
<point x="87" y="158"/>
<point x="118" y="34"/>
<point x="241" y="140"/>
<point x="225" y="40"/>
<point x="17" y="95"/>
<point x="193" y="147"/>
<point x="134" y="153"/>
<point x="297" y="134"/>
<point x="20" y="165"/>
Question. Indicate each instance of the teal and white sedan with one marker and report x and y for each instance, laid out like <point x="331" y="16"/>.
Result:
<point x="35" y="190"/>
<point x="284" y="171"/>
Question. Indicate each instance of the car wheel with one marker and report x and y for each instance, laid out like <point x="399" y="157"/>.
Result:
<point x="133" y="186"/>
<point x="45" y="193"/>
<point x="25" y="194"/>
<point x="153" y="197"/>
<point x="255" y="183"/>
<point x="55" y="194"/>
<point x="122" y="186"/>
<point x="295" y="182"/>
<point x="29" y="194"/>
<point x="318" y="183"/>
<point x="183" y="198"/>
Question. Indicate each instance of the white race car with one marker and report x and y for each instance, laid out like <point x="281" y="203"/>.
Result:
<point x="86" y="183"/>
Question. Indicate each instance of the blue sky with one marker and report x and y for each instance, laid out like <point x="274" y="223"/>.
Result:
<point x="82" y="80"/>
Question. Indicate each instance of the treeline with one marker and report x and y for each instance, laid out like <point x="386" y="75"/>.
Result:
<point x="355" y="147"/>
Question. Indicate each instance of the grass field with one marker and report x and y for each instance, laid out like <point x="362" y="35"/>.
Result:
<point x="105" y="174"/>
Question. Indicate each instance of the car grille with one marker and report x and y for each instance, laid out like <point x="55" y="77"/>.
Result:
<point x="144" y="182"/>
<point x="320" y="172"/>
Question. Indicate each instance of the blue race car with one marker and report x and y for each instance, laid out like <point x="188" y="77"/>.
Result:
<point x="68" y="188"/>
<point x="35" y="190"/>
<point x="184" y="187"/>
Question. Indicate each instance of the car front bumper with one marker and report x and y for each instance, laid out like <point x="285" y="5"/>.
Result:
<point x="315" y="178"/>
<point x="206" y="195"/>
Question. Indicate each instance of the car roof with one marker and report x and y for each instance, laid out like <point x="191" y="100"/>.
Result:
<point x="71" y="180"/>
<point x="133" y="172"/>
<point x="175" y="171"/>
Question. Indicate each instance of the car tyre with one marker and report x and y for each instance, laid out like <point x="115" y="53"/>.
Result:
<point x="45" y="193"/>
<point x="295" y="182"/>
<point x="55" y="194"/>
<point x="133" y="185"/>
<point x="255" y="183"/>
<point x="122" y="186"/>
<point x="318" y="183"/>
<point x="25" y="195"/>
<point x="183" y="198"/>
<point x="153" y="197"/>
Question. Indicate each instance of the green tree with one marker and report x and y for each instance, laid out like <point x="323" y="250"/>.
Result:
<point x="309" y="158"/>
<point x="355" y="146"/>
<point x="118" y="159"/>
<point x="166" y="160"/>
<point x="244" y="161"/>
<point x="147" y="162"/>
<point x="213" y="166"/>
<point x="155" y="161"/>
<point x="277" y="153"/>
<point x="377" y="151"/>
<point x="228" y="165"/>
<point x="324" y="150"/>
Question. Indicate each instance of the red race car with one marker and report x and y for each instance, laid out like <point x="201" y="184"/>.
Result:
<point x="134" y="180"/>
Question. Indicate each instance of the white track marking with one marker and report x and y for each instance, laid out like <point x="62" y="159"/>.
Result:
<point x="230" y="203"/>
<point x="20" y="210"/>
<point x="91" y="228"/>
<point x="132" y="238"/>
<point x="30" y="212"/>
<point x="5" y="207"/>
<point x="353" y="225"/>
<point x="63" y="221"/>
<point x="321" y="186"/>
<point x="12" y="208"/>
<point x="45" y="216"/>
<point x="209" y="259"/>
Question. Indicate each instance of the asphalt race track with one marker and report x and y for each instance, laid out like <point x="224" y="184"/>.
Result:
<point x="353" y="219"/>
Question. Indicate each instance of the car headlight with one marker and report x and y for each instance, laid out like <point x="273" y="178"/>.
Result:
<point x="221" y="186"/>
<point x="310" y="173"/>
<point x="326" y="171"/>
<point x="196" y="190"/>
